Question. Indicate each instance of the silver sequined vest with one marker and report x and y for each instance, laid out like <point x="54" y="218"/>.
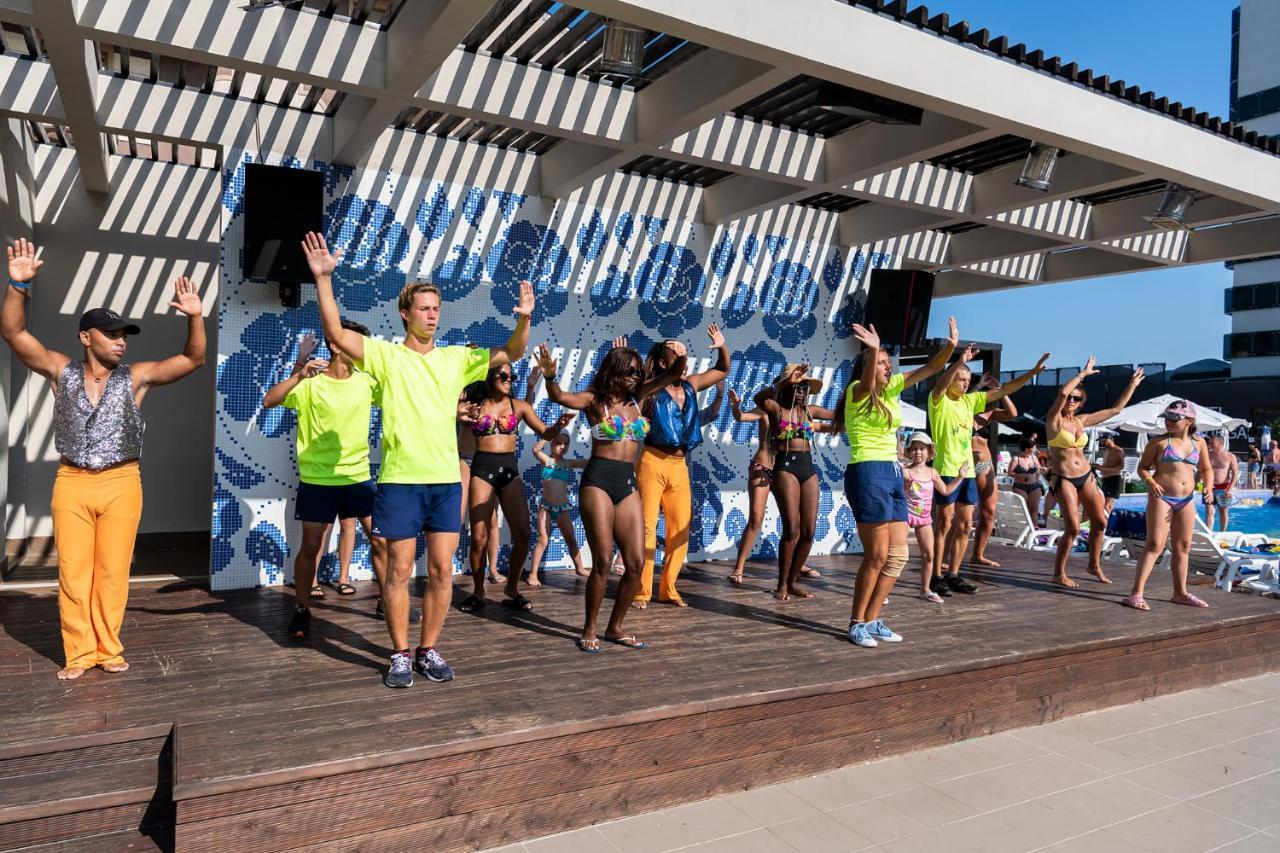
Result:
<point x="96" y="438"/>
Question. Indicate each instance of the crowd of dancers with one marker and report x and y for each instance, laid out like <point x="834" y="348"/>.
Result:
<point x="450" y="426"/>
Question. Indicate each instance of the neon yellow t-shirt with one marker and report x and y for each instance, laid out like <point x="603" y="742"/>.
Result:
<point x="951" y="425"/>
<point x="419" y="399"/>
<point x="872" y="437"/>
<point x="333" y="428"/>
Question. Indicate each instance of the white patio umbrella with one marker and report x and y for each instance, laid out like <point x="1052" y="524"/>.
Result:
<point x="1144" y="417"/>
<point x="913" y="417"/>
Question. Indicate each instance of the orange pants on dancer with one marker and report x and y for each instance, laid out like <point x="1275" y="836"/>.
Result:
<point x="663" y="482"/>
<point x="95" y="523"/>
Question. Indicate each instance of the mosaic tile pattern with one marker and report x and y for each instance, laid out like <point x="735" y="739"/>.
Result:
<point x="598" y="273"/>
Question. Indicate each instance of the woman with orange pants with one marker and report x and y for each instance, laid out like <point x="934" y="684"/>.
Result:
<point x="662" y="474"/>
<point x="97" y="427"/>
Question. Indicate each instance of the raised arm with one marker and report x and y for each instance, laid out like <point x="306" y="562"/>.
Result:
<point x="322" y="263"/>
<point x="944" y="381"/>
<point x="186" y="300"/>
<point x="531" y="419"/>
<point x="663" y="379"/>
<point x="766" y="400"/>
<point x="870" y="340"/>
<point x="712" y="412"/>
<point x="577" y="400"/>
<point x="306" y="345"/>
<point x="276" y="393"/>
<point x="1121" y="401"/>
<point x="1013" y="385"/>
<point x="939" y="359"/>
<point x="535" y="376"/>
<point x="518" y="343"/>
<point x="717" y="372"/>
<point x="735" y="408"/>
<point x="1053" y="419"/>
<point x="538" y="452"/>
<point x="23" y="266"/>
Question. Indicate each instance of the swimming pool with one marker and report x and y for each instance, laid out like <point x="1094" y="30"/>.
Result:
<point x="1253" y="512"/>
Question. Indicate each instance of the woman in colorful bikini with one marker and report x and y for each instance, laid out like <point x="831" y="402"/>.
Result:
<point x="1177" y="460"/>
<point x="607" y="499"/>
<point x="494" y="417"/>
<point x="466" y="452"/>
<point x="554" y="508"/>
<point x="759" y="479"/>
<point x="984" y="470"/>
<point x="1027" y="475"/>
<point x="1073" y="481"/>
<point x="795" y="484"/>
<point x="921" y="483"/>
<point x="871" y="413"/>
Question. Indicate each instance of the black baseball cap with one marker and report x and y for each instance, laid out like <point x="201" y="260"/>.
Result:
<point x="106" y="320"/>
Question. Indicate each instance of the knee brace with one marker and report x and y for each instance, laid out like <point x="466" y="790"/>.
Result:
<point x="895" y="562"/>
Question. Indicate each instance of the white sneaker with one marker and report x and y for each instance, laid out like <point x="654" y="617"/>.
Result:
<point x="880" y="631"/>
<point x="859" y="636"/>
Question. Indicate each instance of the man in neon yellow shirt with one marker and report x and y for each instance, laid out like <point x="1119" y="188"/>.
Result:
<point x="419" y="484"/>
<point x="334" y="403"/>
<point x="951" y="411"/>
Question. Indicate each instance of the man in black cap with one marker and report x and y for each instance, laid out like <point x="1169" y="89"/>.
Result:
<point x="97" y="428"/>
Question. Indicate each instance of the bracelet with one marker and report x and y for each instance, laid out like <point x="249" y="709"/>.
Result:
<point x="19" y="285"/>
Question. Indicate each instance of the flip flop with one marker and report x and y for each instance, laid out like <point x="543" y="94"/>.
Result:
<point x="1136" y="602"/>
<point x="517" y="603"/>
<point x="736" y="580"/>
<point x="591" y="647"/>
<point x="471" y="603"/>
<point x="1190" y="600"/>
<point x="317" y="591"/>
<point x="345" y="589"/>
<point x="807" y="572"/>
<point x="629" y="642"/>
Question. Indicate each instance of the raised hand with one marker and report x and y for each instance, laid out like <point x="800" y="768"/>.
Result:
<point x="186" y="299"/>
<point x="1044" y="359"/>
<point x="1090" y="367"/>
<point x="525" y="307"/>
<point x="734" y="399"/>
<point x="953" y="332"/>
<point x="546" y="363"/>
<point x="535" y="376"/>
<point x="321" y="261"/>
<point x="797" y="376"/>
<point x="565" y="419"/>
<point x="314" y="368"/>
<point x="1138" y="376"/>
<point x="23" y="263"/>
<point x="678" y="348"/>
<point x="717" y="337"/>
<point x="620" y="342"/>
<point x="988" y="382"/>
<point x="469" y="412"/>
<point x="306" y="345"/>
<point x="969" y="354"/>
<point x="866" y="335"/>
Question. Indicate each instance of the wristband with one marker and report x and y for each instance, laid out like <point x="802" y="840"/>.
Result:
<point x="20" y="285"/>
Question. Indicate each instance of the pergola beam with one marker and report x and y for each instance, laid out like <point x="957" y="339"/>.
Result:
<point x="75" y="68"/>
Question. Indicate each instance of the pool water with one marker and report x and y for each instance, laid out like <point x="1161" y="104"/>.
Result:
<point x="1252" y="512"/>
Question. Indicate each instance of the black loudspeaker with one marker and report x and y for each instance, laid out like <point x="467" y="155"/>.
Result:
<point x="280" y="206"/>
<point x="898" y="305"/>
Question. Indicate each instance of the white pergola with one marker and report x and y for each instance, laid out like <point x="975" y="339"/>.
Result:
<point x="727" y="103"/>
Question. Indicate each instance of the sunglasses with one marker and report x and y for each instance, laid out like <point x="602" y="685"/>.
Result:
<point x="1172" y="418"/>
<point x="504" y="377"/>
<point x="632" y="371"/>
<point x="1075" y="398"/>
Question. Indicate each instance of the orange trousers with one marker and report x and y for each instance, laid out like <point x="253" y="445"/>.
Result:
<point x="663" y="482"/>
<point x="95" y="523"/>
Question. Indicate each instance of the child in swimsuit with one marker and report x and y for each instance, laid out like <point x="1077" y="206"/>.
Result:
<point x="554" y="509"/>
<point x="920" y="483"/>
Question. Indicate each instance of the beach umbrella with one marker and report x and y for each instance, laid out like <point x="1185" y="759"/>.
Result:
<point x="1144" y="418"/>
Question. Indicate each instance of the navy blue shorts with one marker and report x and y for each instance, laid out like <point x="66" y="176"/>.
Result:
<point x="321" y="504"/>
<point x="966" y="493"/>
<point x="875" y="492"/>
<point x="402" y="511"/>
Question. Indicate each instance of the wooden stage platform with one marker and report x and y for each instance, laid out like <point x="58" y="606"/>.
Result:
<point x="227" y="736"/>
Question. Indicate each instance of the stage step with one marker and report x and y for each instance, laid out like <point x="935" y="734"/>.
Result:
<point x="107" y="791"/>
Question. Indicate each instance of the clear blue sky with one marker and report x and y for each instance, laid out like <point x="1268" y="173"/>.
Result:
<point x="1178" y="48"/>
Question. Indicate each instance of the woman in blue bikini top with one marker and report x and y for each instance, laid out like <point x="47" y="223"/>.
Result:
<point x="1177" y="460"/>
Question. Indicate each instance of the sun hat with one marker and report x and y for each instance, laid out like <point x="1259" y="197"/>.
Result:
<point x="815" y="385"/>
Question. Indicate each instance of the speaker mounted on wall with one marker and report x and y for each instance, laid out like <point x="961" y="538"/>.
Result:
<point x="280" y="206"/>
<point x="898" y="305"/>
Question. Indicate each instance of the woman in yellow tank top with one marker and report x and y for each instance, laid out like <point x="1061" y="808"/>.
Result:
<point x="1072" y="481"/>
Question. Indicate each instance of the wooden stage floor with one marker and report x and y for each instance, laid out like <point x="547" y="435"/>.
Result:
<point x="274" y="745"/>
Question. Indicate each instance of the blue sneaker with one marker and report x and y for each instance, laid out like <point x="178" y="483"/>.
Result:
<point x="859" y="636"/>
<point x="432" y="665"/>
<point x="400" y="673"/>
<point x="880" y="631"/>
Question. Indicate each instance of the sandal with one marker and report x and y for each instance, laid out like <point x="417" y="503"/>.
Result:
<point x="629" y="642"/>
<point x="317" y="591"/>
<point x="1190" y="600"/>
<point x="345" y="589"/>
<point x="471" y="604"/>
<point x="807" y="572"/>
<point x="1136" y="602"/>
<point x="517" y="603"/>
<point x="591" y="647"/>
<point x="931" y="596"/>
<point x="736" y="580"/>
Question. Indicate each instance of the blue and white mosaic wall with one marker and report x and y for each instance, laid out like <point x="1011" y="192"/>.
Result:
<point x="782" y="291"/>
